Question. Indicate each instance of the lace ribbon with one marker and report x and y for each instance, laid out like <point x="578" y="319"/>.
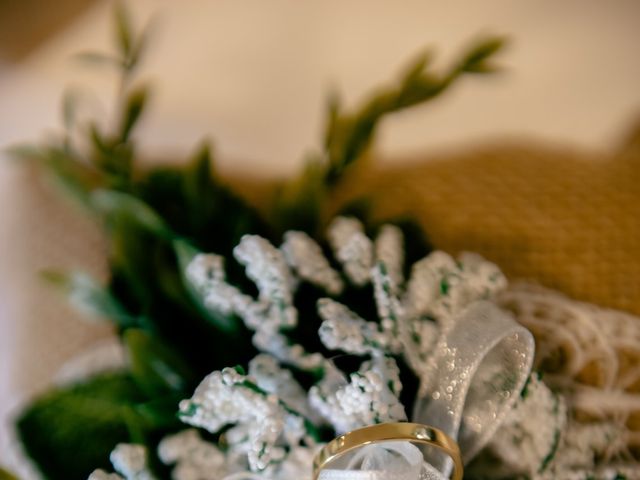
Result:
<point x="475" y="375"/>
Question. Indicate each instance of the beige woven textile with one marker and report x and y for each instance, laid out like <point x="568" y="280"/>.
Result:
<point x="566" y="219"/>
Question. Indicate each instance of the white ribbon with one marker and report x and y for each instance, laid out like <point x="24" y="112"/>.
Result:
<point x="391" y="460"/>
<point x="474" y="377"/>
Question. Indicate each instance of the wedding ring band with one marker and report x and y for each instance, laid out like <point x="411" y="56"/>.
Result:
<point x="385" y="432"/>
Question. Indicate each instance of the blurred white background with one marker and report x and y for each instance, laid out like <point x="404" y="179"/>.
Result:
<point x="253" y="76"/>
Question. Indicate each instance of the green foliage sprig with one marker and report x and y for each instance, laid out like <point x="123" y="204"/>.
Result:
<point x="348" y="135"/>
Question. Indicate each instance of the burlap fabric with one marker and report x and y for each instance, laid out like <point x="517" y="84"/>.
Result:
<point x="567" y="219"/>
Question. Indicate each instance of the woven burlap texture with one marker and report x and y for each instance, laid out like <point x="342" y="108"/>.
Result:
<point x="566" y="219"/>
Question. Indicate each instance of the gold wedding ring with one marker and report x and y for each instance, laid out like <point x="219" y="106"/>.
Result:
<point x="385" y="432"/>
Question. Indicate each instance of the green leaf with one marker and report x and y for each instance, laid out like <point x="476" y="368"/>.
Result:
<point x="89" y="297"/>
<point x="137" y="237"/>
<point x="475" y="61"/>
<point x="157" y="369"/>
<point x="160" y="413"/>
<point x="198" y="178"/>
<point x="123" y="30"/>
<point x="112" y="157"/>
<point x="71" y="174"/>
<point x="417" y="67"/>
<point x="333" y="115"/>
<point x="351" y="133"/>
<point x="129" y="46"/>
<point x="133" y="107"/>
<point x="115" y="205"/>
<point x="198" y="207"/>
<point x="74" y="177"/>
<point x="139" y="47"/>
<point x="98" y="141"/>
<point x="70" y="431"/>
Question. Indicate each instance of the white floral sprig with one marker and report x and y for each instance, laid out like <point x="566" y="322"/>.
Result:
<point x="305" y="256"/>
<point x="268" y="421"/>
<point x="273" y="379"/>
<point x="268" y="314"/>
<point x="194" y="458"/>
<point x="352" y="248"/>
<point x="371" y="396"/>
<point x="411" y="317"/>
<point x="263" y="424"/>
<point x="389" y="249"/>
<point x="266" y="266"/>
<point x="130" y="461"/>
<point x="342" y="329"/>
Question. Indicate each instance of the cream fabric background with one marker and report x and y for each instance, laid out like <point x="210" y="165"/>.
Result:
<point x="253" y="75"/>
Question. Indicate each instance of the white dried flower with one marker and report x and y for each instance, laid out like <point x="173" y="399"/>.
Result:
<point x="390" y="312"/>
<point x="441" y="287"/>
<point x="272" y="378"/>
<point x="194" y="458"/>
<point x="389" y="249"/>
<point x="130" y="461"/>
<point x="352" y="248"/>
<point x="345" y="330"/>
<point x="285" y="351"/>
<point x="231" y="398"/>
<point x="438" y="290"/>
<point x="411" y="319"/>
<point x="430" y="280"/>
<point x="370" y="397"/>
<point x="305" y="256"/>
<point x="206" y="274"/>
<point x="205" y="269"/>
<point x="266" y="266"/>
<point x="296" y="465"/>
